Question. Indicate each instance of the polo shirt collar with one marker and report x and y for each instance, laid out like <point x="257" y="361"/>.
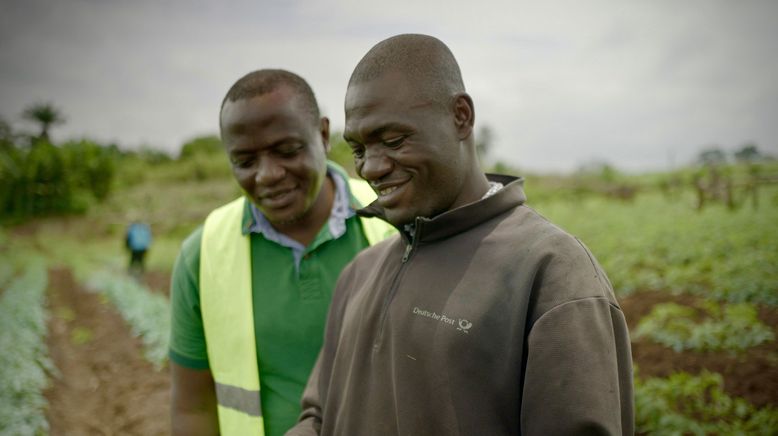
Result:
<point x="255" y="222"/>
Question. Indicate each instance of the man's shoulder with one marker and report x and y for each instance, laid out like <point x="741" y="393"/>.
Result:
<point x="192" y="242"/>
<point x="191" y="245"/>
<point x="190" y="249"/>
<point x="238" y="204"/>
<point x="566" y="261"/>
<point x="531" y="226"/>
<point x="526" y="235"/>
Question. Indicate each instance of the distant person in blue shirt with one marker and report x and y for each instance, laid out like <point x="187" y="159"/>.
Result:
<point x="138" y="241"/>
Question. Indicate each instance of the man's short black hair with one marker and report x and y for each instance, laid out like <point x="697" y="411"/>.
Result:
<point x="425" y="60"/>
<point x="261" y="82"/>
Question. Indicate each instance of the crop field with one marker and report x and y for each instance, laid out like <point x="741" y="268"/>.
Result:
<point x="85" y="344"/>
<point x="700" y="293"/>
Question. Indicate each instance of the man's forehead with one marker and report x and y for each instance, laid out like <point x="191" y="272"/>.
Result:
<point x="388" y="91"/>
<point x="268" y="106"/>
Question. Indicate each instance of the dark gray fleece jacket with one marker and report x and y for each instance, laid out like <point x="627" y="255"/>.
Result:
<point x="488" y="320"/>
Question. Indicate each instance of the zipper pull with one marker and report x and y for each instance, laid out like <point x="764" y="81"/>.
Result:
<point x="408" y="249"/>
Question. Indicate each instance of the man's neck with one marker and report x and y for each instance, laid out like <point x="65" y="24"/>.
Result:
<point x="473" y="188"/>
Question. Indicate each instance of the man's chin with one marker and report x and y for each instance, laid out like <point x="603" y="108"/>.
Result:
<point x="282" y="221"/>
<point x="398" y="218"/>
<point x="290" y="218"/>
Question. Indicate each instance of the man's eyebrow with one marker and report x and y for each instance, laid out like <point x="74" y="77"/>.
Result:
<point x="238" y="153"/>
<point x="291" y="138"/>
<point x="378" y="131"/>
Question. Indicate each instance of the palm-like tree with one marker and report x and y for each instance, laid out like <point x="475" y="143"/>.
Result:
<point x="45" y="114"/>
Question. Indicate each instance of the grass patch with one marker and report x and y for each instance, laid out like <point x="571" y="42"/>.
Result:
<point x="65" y="313"/>
<point x="81" y="335"/>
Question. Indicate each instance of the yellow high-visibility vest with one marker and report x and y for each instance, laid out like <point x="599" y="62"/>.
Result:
<point x="227" y="311"/>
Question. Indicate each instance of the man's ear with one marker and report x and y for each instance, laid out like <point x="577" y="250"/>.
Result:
<point x="464" y="115"/>
<point x="324" y="130"/>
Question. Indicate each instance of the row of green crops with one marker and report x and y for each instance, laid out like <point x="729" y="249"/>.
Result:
<point x="656" y="244"/>
<point x="98" y="265"/>
<point x="24" y="361"/>
<point x="147" y="313"/>
<point x="683" y="404"/>
<point x="734" y="327"/>
<point x="6" y="273"/>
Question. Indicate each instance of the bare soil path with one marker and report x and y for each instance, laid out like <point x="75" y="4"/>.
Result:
<point x="106" y="387"/>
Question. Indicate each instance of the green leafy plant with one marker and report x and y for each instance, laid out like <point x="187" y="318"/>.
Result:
<point x="684" y="404"/>
<point x="736" y="327"/>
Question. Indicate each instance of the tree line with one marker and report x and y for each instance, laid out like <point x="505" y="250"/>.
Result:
<point x="38" y="177"/>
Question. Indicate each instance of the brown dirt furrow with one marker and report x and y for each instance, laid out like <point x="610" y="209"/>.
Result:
<point x="157" y="281"/>
<point x="106" y="387"/>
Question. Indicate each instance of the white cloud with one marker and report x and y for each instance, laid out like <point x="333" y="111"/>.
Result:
<point x="560" y="83"/>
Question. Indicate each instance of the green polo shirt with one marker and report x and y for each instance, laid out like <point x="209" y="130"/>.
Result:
<point x="290" y="310"/>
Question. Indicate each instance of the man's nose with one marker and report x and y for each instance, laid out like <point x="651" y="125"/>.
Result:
<point x="269" y="171"/>
<point x="376" y="164"/>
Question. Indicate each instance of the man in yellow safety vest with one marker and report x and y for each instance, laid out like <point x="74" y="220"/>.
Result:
<point x="251" y="287"/>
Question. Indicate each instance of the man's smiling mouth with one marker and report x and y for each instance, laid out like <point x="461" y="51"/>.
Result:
<point x="387" y="191"/>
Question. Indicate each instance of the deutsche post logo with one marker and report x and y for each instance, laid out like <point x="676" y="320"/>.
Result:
<point x="464" y="325"/>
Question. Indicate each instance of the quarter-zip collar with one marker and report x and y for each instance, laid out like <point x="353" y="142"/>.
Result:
<point x="456" y="221"/>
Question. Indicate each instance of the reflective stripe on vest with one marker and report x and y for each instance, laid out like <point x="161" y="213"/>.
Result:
<point x="227" y="310"/>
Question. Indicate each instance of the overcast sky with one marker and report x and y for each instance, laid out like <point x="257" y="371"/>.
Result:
<point x="642" y="85"/>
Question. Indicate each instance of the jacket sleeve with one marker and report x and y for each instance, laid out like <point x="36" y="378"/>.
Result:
<point x="578" y="378"/>
<point x="309" y="422"/>
<point x="578" y="373"/>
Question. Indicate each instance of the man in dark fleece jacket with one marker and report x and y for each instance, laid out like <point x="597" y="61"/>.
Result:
<point x="481" y="317"/>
